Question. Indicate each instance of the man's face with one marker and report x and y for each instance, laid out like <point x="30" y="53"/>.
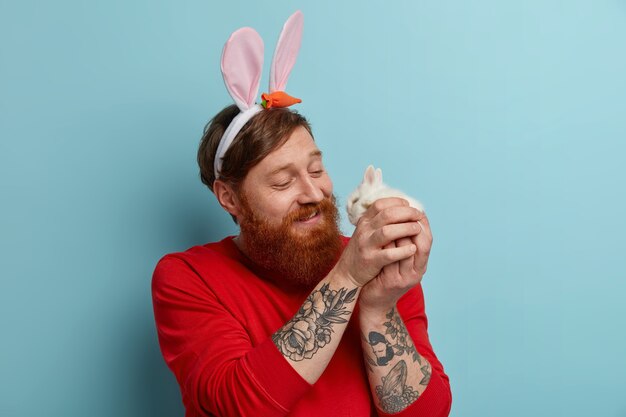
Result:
<point x="290" y="177"/>
<point x="288" y="217"/>
<point x="379" y="350"/>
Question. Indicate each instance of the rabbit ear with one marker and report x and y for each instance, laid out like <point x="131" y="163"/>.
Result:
<point x="286" y="51"/>
<point x="370" y="175"/>
<point x="379" y="175"/>
<point x="242" y="65"/>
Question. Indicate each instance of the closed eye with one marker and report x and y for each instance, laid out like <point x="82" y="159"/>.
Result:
<point x="281" y="186"/>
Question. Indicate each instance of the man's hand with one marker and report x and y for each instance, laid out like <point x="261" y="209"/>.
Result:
<point x="394" y="280"/>
<point x="372" y="246"/>
<point x="311" y="337"/>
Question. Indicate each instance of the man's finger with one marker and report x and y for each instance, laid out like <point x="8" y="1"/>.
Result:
<point x="423" y="220"/>
<point x="390" y="245"/>
<point x="387" y="256"/>
<point x="394" y="214"/>
<point x="406" y="266"/>
<point x="392" y="232"/>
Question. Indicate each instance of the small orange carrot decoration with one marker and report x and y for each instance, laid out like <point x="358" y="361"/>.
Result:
<point x="278" y="99"/>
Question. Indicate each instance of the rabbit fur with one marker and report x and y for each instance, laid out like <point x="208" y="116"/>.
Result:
<point x="371" y="189"/>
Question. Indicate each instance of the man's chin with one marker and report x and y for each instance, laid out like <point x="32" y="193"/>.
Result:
<point x="302" y="249"/>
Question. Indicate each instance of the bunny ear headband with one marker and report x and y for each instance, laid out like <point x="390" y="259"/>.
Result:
<point x="242" y="64"/>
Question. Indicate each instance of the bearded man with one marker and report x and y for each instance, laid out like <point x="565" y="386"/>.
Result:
<point x="283" y="319"/>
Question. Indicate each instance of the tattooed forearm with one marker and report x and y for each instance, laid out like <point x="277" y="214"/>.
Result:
<point x="395" y="342"/>
<point x="381" y="348"/>
<point x="394" y="395"/>
<point x="312" y="326"/>
<point x="426" y="370"/>
<point x="392" y="347"/>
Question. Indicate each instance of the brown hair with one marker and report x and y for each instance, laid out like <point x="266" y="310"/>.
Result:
<point x="265" y="132"/>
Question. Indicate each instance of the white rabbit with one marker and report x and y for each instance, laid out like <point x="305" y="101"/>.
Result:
<point x="371" y="189"/>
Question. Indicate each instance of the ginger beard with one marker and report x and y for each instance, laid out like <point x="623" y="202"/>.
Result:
<point x="299" y="257"/>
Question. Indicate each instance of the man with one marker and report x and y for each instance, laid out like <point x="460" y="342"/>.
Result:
<point x="286" y="318"/>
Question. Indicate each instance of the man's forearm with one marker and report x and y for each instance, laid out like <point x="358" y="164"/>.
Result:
<point x="397" y="373"/>
<point x="309" y="340"/>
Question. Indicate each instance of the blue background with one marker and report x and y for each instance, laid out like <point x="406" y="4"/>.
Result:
<point x="507" y="119"/>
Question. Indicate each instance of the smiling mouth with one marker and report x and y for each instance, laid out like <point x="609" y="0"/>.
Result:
<point x="304" y="219"/>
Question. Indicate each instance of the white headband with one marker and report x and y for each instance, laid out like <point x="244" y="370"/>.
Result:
<point x="242" y="65"/>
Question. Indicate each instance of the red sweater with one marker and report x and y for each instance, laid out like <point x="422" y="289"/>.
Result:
<point x="215" y="315"/>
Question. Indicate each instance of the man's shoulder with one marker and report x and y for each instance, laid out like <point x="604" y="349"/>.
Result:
<point x="197" y="257"/>
<point x="218" y="248"/>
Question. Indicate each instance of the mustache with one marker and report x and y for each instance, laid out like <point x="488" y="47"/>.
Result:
<point x="327" y="205"/>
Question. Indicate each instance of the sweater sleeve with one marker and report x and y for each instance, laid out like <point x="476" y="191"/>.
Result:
<point x="219" y="371"/>
<point x="436" y="400"/>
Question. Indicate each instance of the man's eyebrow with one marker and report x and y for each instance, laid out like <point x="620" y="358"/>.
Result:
<point x="314" y="153"/>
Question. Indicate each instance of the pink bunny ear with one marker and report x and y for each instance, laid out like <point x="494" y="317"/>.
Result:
<point x="242" y="65"/>
<point x="286" y="51"/>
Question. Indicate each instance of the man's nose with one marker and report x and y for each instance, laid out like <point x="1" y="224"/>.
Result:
<point x="310" y="192"/>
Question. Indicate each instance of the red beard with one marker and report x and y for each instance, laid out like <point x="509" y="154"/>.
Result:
<point x="297" y="258"/>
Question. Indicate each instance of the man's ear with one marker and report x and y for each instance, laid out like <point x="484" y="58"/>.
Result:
<point x="227" y="197"/>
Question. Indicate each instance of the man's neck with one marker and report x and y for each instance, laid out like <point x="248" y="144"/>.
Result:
<point x="238" y="240"/>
